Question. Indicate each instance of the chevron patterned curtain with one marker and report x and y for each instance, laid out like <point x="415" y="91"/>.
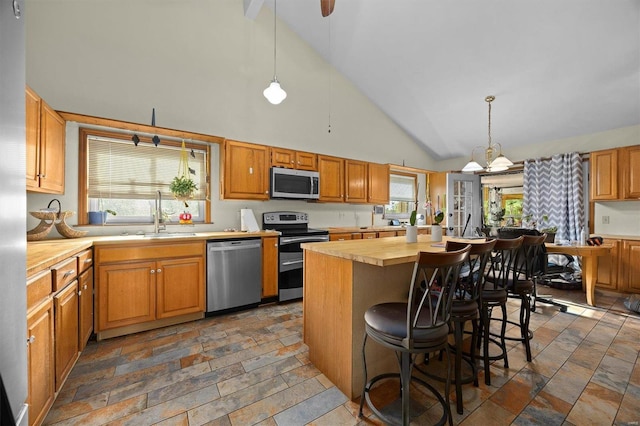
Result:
<point x="554" y="188"/>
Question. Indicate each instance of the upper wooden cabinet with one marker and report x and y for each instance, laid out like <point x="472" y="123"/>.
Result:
<point x="246" y="171"/>
<point x="615" y="174"/>
<point x="356" y="182"/>
<point x="281" y="157"/>
<point x="331" y="171"/>
<point x="630" y="169"/>
<point x="378" y="183"/>
<point x="45" y="135"/>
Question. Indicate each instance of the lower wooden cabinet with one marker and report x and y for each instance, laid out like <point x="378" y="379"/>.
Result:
<point x="608" y="266"/>
<point x="65" y="305"/>
<point x="270" y="266"/>
<point x="340" y="236"/>
<point x="138" y="284"/>
<point x="40" y="361"/>
<point x="85" y="306"/>
<point x="630" y="266"/>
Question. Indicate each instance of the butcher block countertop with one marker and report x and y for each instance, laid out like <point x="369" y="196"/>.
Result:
<point x="44" y="254"/>
<point x="381" y="251"/>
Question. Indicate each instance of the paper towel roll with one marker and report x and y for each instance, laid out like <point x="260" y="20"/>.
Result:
<point x="248" y="221"/>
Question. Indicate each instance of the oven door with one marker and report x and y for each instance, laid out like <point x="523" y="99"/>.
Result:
<point x="290" y="274"/>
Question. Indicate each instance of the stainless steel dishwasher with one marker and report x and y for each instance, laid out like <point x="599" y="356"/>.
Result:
<point x="234" y="274"/>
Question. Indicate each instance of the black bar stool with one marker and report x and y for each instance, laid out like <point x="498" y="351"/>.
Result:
<point x="494" y="294"/>
<point x="418" y="326"/>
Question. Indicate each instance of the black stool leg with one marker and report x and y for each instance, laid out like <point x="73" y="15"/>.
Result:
<point x="525" y="316"/>
<point x="364" y="385"/>
<point x="405" y="379"/>
<point x="459" y="326"/>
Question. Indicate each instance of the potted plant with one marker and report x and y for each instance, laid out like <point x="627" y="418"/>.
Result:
<point x="182" y="188"/>
<point x="436" y="228"/>
<point x="412" y="229"/>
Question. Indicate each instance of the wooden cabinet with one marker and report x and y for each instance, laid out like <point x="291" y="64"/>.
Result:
<point x="85" y="306"/>
<point x="630" y="267"/>
<point x="331" y="170"/>
<point x="139" y="284"/>
<point x="341" y="236"/>
<point x="356" y="182"/>
<point x="630" y="170"/>
<point x="608" y="266"/>
<point x="45" y="139"/>
<point x="615" y="174"/>
<point x="65" y="305"/>
<point x="384" y="234"/>
<point x="281" y="157"/>
<point x="378" y="185"/>
<point x="368" y="235"/>
<point x="181" y="287"/>
<point x="270" y="267"/>
<point x="40" y="360"/>
<point x="245" y="171"/>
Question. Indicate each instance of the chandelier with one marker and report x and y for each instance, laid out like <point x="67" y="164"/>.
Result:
<point x="497" y="164"/>
<point x="274" y="93"/>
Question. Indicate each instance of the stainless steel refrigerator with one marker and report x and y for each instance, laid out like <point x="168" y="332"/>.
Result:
<point x="13" y="211"/>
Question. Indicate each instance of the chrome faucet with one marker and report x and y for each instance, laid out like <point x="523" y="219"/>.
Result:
<point x="158" y="221"/>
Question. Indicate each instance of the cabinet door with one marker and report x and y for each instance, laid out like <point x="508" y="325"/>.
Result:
<point x="65" y="305"/>
<point x="52" y="144"/>
<point x="281" y="157"/>
<point x="331" y="171"/>
<point x="384" y="234"/>
<point x="369" y="235"/>
<point x="125" y="294"/>
<point x="33" y="138"/>
<point x="246" y="171"/>
<point x="180" y="284"/>
<point x="306" y="161"/>
<point x="608" y="266"/>
<point x="604" y="175"/>
<point x="85" y="317"/>
<point x="340" y="236"/>
<point x="40" y="361"/>
<point x="631" y="172"/>
<point x="269" y="266"/>
<point x="357" y="181"/>
<point x="631" y="266"/>
<point x="378" y="183"/>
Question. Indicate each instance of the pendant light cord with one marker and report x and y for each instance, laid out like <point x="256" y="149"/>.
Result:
<point x="489" y="121"/>
<point x="330" y="77"/>
<point x="275" y="12"/>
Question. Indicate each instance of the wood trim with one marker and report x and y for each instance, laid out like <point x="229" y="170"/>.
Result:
<point x="145" y="326"/>
<point x="396" y="168"/>
<point x="139" y="128"/>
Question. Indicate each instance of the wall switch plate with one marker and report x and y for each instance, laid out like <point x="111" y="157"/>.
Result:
<point x="605" y="220"/>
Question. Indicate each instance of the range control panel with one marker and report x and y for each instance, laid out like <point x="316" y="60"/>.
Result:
<point x="282" y="218"/>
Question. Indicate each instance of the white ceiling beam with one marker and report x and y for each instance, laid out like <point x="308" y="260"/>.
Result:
<point x="252" y="8"/>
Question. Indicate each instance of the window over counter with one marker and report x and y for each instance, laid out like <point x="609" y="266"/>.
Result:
<point x="123" y="176"/>
<point x="402" y="194"/>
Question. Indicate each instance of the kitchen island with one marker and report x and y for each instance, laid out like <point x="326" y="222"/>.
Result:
<point x="342" y="279"/>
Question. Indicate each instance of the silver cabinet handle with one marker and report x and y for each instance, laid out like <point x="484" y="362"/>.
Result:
<point x="69" y="273"/>
<point x="85" y="287"/>
<point x="88" y="260"/>
<point x="293" y="262"/>
<point x="153" y="271"/>
<point x="31" y="339"/>
<point x="158" y="270"/>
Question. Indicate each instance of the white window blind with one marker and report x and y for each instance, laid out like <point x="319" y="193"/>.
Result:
<point x="402" y="188"/>
<point x="119" y="169"/>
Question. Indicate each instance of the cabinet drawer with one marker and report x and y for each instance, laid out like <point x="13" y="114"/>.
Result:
<point x="38" y="288"/>
<point x="127" y="253"/>
<point x="85" y="260"/>
<point x="64" y="272"/>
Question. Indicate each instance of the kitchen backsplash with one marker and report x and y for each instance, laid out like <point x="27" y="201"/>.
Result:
<point x="623" y="218"/>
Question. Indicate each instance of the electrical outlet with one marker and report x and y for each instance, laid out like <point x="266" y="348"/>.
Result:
<point x="605" y="220"/>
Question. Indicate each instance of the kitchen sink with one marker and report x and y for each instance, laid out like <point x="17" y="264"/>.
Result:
<point x="168" y="234"/>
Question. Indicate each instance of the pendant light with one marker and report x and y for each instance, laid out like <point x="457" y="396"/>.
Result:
<point x="500" y="163"/>
<point x="274" y="93"/>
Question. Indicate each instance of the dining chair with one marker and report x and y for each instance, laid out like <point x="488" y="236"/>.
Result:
<point x="418" y="326"/>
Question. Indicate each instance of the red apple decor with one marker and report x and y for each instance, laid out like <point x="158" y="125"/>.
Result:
<point x="185" y="218"/>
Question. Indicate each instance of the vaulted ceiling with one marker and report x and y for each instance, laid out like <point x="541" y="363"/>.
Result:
<point x="557" y="68"/>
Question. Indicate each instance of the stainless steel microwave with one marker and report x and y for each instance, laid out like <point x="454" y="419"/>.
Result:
<point x="296" y="184"/>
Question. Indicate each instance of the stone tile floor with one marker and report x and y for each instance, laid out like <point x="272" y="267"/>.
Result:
<point x="252" y="367"/>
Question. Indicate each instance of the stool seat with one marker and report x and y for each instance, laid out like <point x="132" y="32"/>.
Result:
<point x="389" y="322"/>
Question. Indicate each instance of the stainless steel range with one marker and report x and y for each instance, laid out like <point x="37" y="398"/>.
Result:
<point x="294" y="230"/>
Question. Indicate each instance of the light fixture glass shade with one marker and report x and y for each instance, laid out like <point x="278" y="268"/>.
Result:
<point x="274" y="93"/>
<point x="472" y="166"/>
<point x="501" y="161"/>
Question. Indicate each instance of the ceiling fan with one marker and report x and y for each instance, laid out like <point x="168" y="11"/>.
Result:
<point x="326" y="6"/>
